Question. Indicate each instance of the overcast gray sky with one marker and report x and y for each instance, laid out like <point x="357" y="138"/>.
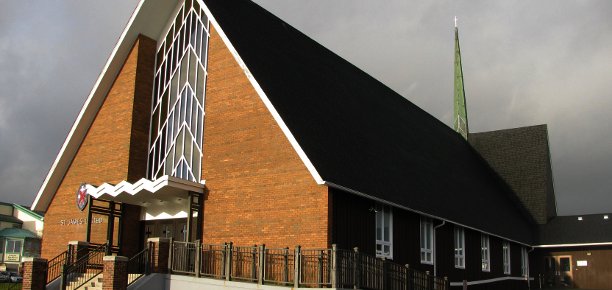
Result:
<point x="524" y="62"/>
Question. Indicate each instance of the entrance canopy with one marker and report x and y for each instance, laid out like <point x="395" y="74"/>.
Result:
<point x="166" y="190"/>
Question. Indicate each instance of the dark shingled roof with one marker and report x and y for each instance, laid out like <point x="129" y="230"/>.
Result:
<point x="362" y="135"/>
<point x="522" y="157"/>
<point x="593" y="228"/>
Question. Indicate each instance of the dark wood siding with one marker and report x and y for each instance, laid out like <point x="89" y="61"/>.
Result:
<point x="353" y="225"/>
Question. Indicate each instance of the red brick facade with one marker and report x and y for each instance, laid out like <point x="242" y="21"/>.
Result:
<point x="259" y="190"/>
<point x="104" y="155"/>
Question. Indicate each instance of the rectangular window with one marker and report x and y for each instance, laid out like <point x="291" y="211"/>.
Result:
<point x="485" y="253"/>
<point x="459" y="247"/>
<point x="13" y="246"/>
<point x="426" y="240"/>
<point x="384" y="232"/>
<point x="524" y="262"/>
<point x="506" y="252"/>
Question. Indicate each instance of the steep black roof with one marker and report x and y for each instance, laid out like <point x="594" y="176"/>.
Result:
<point x="522" y="157"/>
<point x="362" y="135"/>
<point x="593" y="228"/>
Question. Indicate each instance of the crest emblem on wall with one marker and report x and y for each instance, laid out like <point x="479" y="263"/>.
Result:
<point x="81" y="197"/>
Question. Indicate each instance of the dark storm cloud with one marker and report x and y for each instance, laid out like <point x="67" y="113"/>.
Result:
<point x="525" y="63"/>
<point x="50" y="54"/>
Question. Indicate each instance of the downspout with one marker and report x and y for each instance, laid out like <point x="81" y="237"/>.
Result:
<point x="434" y="248"/>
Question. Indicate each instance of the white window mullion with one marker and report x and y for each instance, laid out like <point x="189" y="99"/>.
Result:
<point x="384" y="232"/>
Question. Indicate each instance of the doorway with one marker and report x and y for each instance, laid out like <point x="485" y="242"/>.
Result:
<point x="558" y="271"/>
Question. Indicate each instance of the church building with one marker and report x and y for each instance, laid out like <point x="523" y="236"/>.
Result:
<point x="215" y="121"/>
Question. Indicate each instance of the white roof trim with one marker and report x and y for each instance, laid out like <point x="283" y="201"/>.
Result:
<point x="476" y="282"/>
<point x="142" y="21"/>
<point x="142" y="185"/>
<point x="573" y="245"/>
<point x="333" y="185"/>
<point x="262" y="95"/>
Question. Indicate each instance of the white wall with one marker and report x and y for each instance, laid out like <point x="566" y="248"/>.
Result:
<point x="30" y="223"/>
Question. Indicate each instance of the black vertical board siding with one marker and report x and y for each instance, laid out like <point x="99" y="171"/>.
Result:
<point x="353" y="224"/>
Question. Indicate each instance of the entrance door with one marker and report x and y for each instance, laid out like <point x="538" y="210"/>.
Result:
<point x="558" y="271"/>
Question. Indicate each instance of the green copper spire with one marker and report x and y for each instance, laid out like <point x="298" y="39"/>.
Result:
<point x="460" y="121"/>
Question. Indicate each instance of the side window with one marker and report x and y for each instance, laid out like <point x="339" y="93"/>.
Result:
<point x="384" y="232"/>
<point x="524" y="262"/>
<point x="459" y="247"/>
<point x="506" y="249"/>
<point x="485" y="253"/>
<point x="426" y="240"/>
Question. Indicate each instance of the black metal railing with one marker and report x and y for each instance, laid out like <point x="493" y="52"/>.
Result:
<point x="85" y="268"/>
<point x="309" y="268"/>
<point x="183" y="257"/>
<point x="245" y="263"/>
<point x="139" y="265"/>
<point x="279" y="266"/>
<point x="54" y="266"/>
<point x="212" y="261"/>
<point x="315" y="267"/>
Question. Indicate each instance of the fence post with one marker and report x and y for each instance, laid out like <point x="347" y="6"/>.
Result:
<point x="385" y="273"/>
<point x="286" y="268"/>
<point x="320" y="268"/>
<point x="64" y="277"/>
<point x="465" y="285"/>
<point x="446" y="283"/>
<point x="34" y="273"/>
<point x="198" y="258"/>
<point x="334" y="267"/>
<point x="262" y="262"/>
<point x="228" y="261"/>
<point x="356" y="270"/>
<point x="409" y="284"/>
<point x="428" y="280"/>
<point x="254" y="263"/>
<point x="148" y="258"/>
<point x="224" y="262"/>
<point x="297" y="266"/>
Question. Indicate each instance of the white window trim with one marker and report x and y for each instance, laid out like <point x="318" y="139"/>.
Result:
<point x="485" y="253"/>
<point x="507" y="257"/>
<point x="428" y="249"/>
<point x="459" y="247"/>
<point x="385" y="209"/>
<point x="524" y="262"/>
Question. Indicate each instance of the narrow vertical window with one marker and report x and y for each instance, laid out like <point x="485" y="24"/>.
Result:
<point x="459" y="247"/>
<point x="384" y="232"/>
<point x="177" y="111"/>
<point x="426" y="240"/>
<point x="506" y="252"/>
<point x="485" y="253"/>
<point x="524" y="262"/>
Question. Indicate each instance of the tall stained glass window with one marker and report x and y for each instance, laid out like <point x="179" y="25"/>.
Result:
<point x="177" y="116"/>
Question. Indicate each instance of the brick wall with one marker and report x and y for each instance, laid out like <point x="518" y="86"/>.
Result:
<point x="259" y="190"/>
<point x="104" y="155"/>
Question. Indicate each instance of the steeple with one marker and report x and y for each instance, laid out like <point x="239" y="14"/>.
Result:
<point x="460" y="121"/>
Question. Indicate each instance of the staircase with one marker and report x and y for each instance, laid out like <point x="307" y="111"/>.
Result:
<point x="94" y="284"/>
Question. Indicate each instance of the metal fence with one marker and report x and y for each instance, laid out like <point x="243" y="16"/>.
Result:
<point x="184" y="257"/>
<point x="139" y="265"/>
<point x="279" y="266"/>
<point x="85" y="268"/>
<point x="54" y="266"/>
<point x="212" y="261"/>
<point x="308" y="268"/>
